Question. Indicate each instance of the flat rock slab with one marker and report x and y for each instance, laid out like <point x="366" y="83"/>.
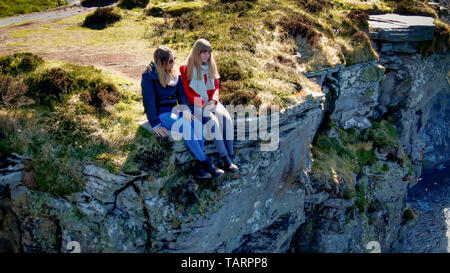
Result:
<point x="401" y="28"/>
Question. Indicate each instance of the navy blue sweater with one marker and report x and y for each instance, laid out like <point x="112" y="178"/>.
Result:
<point x="158" y="99"/>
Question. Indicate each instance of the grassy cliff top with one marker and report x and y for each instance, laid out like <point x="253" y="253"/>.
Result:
<point x="262" y="47"/>
<point x="64" y="113"/>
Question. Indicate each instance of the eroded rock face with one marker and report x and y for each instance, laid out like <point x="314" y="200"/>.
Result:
<point x="336" y="225"/>
<point x="358" y="95"/>
<point x="437" y="130"/>
<point x="408" y="92"/>
<point x="413" y="91"/>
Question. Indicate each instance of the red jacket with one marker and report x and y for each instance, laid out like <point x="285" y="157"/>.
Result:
<point x="213" y="94"/>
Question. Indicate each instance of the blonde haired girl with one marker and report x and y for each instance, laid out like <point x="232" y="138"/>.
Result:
<point x="201" y="84"/>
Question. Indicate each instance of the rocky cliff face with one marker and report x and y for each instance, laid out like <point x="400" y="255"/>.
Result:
<point x="260" y="210"/>
<point x="411" y="89"/>
<point x="437" y="130"/>
<point x="274" y="204"/>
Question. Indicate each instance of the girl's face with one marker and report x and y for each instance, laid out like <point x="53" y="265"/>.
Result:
<point x="204" y="56"/>
<point x="170" y="63"/>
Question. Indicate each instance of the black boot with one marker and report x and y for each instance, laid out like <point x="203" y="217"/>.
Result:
<point x="210" y="168"/>
<point x="228" y="164"/>
<point x="200" y="172"/>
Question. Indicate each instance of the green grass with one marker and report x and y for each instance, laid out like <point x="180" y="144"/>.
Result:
<point x="15" y="7"/>
<point x="61" y="138"/>
<point x="253" y="43"/>
<point x="361" y="198"/>
<point x="173" y="8"/>
<point x="337" y="160"/>
<point x="408" y="215"/>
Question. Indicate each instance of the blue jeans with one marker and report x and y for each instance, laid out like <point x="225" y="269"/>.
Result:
<point x="223" y="123"/>
<point x="192" y="134"/>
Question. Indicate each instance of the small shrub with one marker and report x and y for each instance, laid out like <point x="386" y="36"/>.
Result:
<point x="174" y="9"/>
<point x="155" y="11"/>
<point x="59" y="176"/>
<point x="234" y="1"/>
<point x="150" y="160"/>
<point x="101" y="18"/>
<point x="238" y="6"/>
<point x="359" y="38"/>
<point x="269" y="24"/>
<point x="151" y="157"/>
<point x="440" y="43"/>
<point x="5" y="146"/>
<point x="441" y="38"/>
<point x="12" y="92"/>
<point x="360" y="18"/>
<point x="131" y="4"/>
<point x="383" y="134"/>
<point x="230" y="69"/>
<point x="188" y="21"/>
<point x="51" y="86"/>
<point x="366" y="157"/>
<point x="66" y="125"/>
<point x="183" y="193"/>
<point x="100" y="94"/>
<point x="361" y="201"/>
<point x="90" y="2"/>
<point x="19" y="63"/>
<point x="285" y="61"/>
<point x="227" y="87"/>
<point x="408" y="215"/>
<point x="413" y="7"/>
<point x="314" y="6"/>
<point x="299" y="25"/>
<point x="347" y="28"/>
<point x="247" y="34"/>
<point x="360" y="50"/>
<point x="184" y="7"/>
<point x="241" y="97"/>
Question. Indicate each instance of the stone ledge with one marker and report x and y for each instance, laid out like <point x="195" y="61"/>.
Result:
<point x="401" y="28"/>
<point x="300" y="113"/>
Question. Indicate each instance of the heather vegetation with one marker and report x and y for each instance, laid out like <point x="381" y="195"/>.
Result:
<point x="101" y="18"/>
<point x="64" y="116"/>
<point x="339" y="155"/>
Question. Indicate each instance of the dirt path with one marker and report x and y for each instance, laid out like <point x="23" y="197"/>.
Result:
<point x="72" y="9"/>
<point x="58" y="35"/>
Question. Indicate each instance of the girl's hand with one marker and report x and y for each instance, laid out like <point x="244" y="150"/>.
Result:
<point x="160" y="131"/>
<point x="209" y="105"/>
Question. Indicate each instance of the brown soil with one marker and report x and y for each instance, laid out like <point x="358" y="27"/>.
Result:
<point x="128" y="62"/>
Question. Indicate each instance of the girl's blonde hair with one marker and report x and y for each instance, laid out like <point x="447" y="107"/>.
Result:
<point x="161" y="57"/>
<point x="194" y="60"/>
